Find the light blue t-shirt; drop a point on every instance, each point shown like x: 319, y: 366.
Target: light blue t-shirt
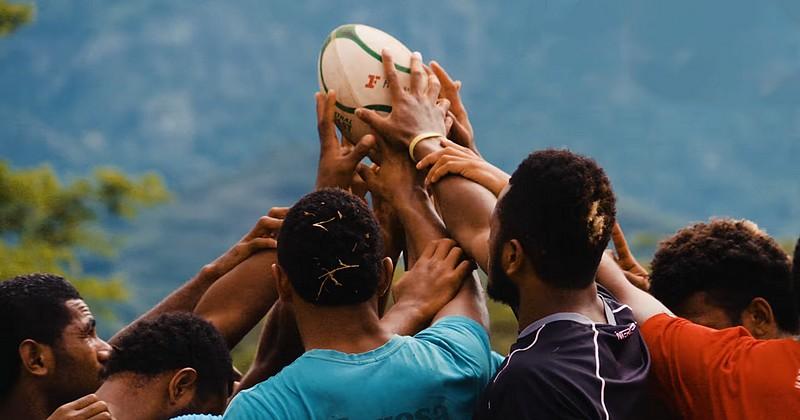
x: 437, y: 374
x: 197, y: 417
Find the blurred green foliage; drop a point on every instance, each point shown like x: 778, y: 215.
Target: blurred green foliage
x: 47, y: 225
x: 13, y: 16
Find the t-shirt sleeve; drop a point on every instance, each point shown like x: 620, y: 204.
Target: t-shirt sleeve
x: 197, y: 417
x: 685, y: 355
x: 465, y: 342
x: 262, y: 402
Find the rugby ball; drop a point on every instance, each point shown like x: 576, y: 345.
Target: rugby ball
x: 350, y: 63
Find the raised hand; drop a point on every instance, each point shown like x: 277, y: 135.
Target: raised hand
x: 434, y: 279
x: 86, y: 408
x: 461, y: 131
x: 392, y: 181
x: 262, y: 236
x: 459, y: 160
x: 634, y: 272
x: 337, y: 159
x: 414, y: 112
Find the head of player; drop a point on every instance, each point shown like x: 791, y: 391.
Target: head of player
x: 172, y: 365
x: 330, y: 256
x: 50, y: 352
x: 726, y: 273
x: 550, y: 226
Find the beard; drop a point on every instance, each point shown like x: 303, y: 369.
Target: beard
x: 500, y: 287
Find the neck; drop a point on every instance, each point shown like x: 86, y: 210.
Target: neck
x: 125, y: 398
x: 25, y: 401
x: 539, y: 300
x: 348, y: 329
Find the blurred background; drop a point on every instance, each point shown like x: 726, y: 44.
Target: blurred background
x: 140, y: 139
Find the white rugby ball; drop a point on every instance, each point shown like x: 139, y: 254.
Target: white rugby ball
x: 350, y: 63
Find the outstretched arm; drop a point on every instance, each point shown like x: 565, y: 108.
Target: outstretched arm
x: 612, y: 277
x: 185, y: 298
x: 465, y: 206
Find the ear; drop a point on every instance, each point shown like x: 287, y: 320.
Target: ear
x: 386, y: 276
x: 282, y: 283
x: 758, y: 318
x: 37, y: 359
x: 512, y: 258
x: 182, y: 387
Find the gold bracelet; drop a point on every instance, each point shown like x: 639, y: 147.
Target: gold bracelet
x: 419, y: 138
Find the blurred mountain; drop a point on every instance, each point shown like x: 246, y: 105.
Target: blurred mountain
x: 692, y: 107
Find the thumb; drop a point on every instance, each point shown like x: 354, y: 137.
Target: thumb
x: 370, y: 117
x: 367, y: 174
x: 362, y: 148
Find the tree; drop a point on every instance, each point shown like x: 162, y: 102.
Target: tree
x: 13, y: 16
x: 49, y: 226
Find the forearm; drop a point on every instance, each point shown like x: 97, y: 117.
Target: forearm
x: 420, y: 222
x: 497, y: 179
x: 465, y: 207
x: 183, y: 299
x: 643, y: 305
x: 241, y: 298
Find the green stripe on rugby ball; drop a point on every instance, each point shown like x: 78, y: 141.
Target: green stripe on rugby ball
x: 349, y: 32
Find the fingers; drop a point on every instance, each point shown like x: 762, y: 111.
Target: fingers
x: 102, y: 416
x: 454, y: 256
x: 362, y: 148
x: 391, y: 74
x: 443, y: 247
x: 463, y: 268
x: 368, y: 175
x: 278, y: 212
x: 371, y: 118
x: 450, y: 89
x: 441, y: 169
x: 82, y: 402
x: 620, y: 244
x: 418, y: 75
x: 441, y: 74
x: 326, y: 106
x: 448, y: 122
x: 431, y: 158
x: 444, y: 105
x: 258, y: 244
x: 92, y: 410
x: 460, y: 133
x: 434, y: 86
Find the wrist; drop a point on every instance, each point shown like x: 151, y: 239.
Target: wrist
x: 426, y: 147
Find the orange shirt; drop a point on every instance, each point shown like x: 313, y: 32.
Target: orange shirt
x: 723, y: 374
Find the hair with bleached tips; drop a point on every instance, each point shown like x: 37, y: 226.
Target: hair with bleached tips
x: 733, y: 262
x: 331, y: 248
x: 561, y: 208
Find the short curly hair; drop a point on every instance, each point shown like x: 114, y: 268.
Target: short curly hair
x: 331, y: 248
x: 32, y: 306
x: 561, y: 208
x: 174, y: 340
x: 733, y: 262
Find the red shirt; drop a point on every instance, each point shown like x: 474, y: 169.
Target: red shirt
x: 723, y: 374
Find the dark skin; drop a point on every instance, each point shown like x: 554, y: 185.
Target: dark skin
x: 186, y: 298
x: 53, y: 375
x: 465, y: 206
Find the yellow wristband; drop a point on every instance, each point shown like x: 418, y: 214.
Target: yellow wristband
x: 419, y: 138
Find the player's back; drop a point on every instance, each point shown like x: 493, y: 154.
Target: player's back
x: 436, y: 374
x: 564, y: 366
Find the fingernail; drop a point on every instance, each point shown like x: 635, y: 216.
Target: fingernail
x: 418, y: 55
